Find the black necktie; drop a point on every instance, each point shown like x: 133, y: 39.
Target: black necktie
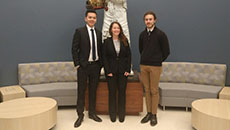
x: 149, y: 33
x: 93, y: 45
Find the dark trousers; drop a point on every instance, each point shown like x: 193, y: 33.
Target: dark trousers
x: 117, y: 82
x: 87, y: 76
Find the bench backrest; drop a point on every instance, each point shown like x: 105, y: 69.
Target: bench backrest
x: 46, y: 72
x: 198, y: 73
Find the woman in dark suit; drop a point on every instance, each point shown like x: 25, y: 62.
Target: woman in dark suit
x: 117, y: 64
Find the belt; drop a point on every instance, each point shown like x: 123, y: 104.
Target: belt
x: 93, y: 62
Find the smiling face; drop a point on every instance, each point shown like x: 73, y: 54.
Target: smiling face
x: 149, y: 21
x: 91, y: 19
x: 116, y: 29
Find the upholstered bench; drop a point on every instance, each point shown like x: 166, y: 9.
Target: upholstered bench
x: 56, y: 80
x: 183, y: 82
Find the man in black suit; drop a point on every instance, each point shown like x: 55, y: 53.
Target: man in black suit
x: 86, y: 52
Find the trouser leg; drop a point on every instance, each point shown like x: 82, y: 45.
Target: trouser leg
x: 154, y: 86
x: 82, y: 83
x: 94, y: 74
x: 145, y: 78
x: 122, y: 81
x: 112, y: 85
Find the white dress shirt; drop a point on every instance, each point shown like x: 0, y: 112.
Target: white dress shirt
x: 117, y: 46
x: 90, y: 38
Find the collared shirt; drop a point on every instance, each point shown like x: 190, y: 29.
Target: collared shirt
x: 117, y: 46
x: 151, y: 29
x: 91, y: 42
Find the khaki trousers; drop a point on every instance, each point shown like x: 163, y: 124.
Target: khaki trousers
x: 150, y: 77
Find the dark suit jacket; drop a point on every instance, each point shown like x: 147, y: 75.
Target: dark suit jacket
x: 81, y: 46
x: 114, y: 63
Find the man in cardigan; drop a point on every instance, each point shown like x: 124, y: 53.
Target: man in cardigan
x: 154, y: 49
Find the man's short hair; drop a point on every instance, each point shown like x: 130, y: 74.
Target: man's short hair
x: 150, y: 13
x: 90, y: 11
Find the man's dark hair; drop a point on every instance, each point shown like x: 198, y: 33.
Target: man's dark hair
x: 90, y: 11
x: 150, y: 13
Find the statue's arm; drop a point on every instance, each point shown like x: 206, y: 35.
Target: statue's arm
x: 125, y: 4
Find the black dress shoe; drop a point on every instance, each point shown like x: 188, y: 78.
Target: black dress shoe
x: 78, y: 121
x: 153, y: 120
x: 113, y: 118
x: 121, y: 119
x: 147, y: 117
x: 95, y: 117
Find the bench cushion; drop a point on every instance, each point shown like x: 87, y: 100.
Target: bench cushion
x: 188, y: 90
x: 51, y: 89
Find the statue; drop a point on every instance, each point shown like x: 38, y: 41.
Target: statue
x: 115, y: 10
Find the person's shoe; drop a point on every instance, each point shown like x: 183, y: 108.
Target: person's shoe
x: 147, y: 117
x: 78, y: 121
x: 113, y: 119
x: 121, y: 119
x: 95, y: 117
x: 153, y: 120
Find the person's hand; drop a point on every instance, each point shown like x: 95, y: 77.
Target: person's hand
x: 76, y: 67
x: 110, y: 75
x: 126, y: 74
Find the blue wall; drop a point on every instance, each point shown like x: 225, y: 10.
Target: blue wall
x: 42, y: 30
